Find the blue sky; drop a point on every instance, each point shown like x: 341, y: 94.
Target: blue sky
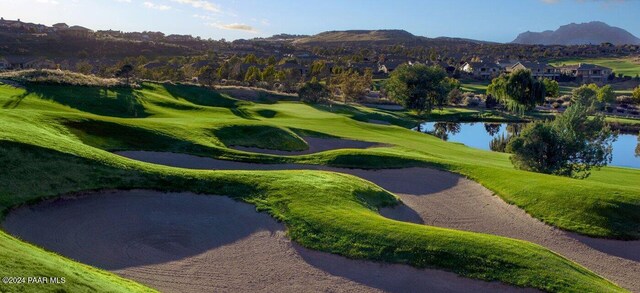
x: 491, y: 20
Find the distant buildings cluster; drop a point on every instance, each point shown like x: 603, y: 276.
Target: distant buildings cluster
x: 583, y: 71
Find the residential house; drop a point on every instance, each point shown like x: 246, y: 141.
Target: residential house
x: 481, y: 70
x: 538, y: 70
x: 505, y: 65
x: 76, y: 31
x: 388, y: 66
x: 587, y: 72
x: 60, y: 26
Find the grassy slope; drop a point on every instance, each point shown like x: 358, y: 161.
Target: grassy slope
x: 603, y: 205
x: 624, y: 65
x: 326, y: 211
x: 585, y: 206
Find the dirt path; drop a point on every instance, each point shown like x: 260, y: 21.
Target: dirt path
x: 182, y: 242
x: 444, y: 199
x: 316, y: 145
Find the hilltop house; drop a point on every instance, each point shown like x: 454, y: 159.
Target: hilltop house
x: 60, y: 26
x: 538, y: 70
x: 77, y: 31
x: 587, y: 72
x: 481, y: 69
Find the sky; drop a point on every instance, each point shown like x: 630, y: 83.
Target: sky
x: 488, y: 20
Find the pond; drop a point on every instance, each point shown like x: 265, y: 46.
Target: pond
x: 479, y: 135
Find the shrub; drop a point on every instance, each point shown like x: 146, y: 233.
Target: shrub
x: 472, y: 101
x: 625, y: 100
x: 490, y: 102
x: 455, y: 96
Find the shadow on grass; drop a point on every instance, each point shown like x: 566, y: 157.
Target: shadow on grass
x: 15, y: 101
x: 362, y: 116
x: 199, y: 95
x: 121, y: 102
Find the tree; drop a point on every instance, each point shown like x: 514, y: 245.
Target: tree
x: 271, y: 60
x: 551, y: 87
x: 84, y: 67
x: 418, y: 87
x: 636, y: 95
x: 253, y: 75
x: 223, y: 71
x: 352, y: 85
x: 606, y: 94
x: 250, y: 59
x: 269, y: 74
x: 125, y: 72
x: 586, y: 95
x: 518, y: 91
x: 208, y: 75
x: 571, y: 145
x: 314, y: 92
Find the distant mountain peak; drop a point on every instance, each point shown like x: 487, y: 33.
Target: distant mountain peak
x: 595, y: 32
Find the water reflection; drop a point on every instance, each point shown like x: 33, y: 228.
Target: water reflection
x: 495, y: 136
x: 638, y: 146
x: 443, y: 129
x: 492, y: 128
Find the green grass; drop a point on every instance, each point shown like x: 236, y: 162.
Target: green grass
x: 475, y: 87
x: 325, y: 211
x: 51, y: 147
x: 628, y: 66
x: 261, y: 136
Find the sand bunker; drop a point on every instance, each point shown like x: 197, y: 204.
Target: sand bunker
x: 182, y: 242
x: 444, y: 199
x: 316, y: 145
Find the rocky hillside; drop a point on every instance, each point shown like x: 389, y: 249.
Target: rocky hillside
x: 361, y: 36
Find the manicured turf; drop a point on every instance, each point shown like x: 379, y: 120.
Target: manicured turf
x: 628, y: 66
x: 475, y: 87
x: 55, y: 145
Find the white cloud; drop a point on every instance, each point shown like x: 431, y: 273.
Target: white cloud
x: 123, y: 1
x: 201, y: 4
x: 152, y: 5
x: 235, y: 26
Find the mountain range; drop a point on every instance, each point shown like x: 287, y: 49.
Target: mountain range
x: 594, y: 32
